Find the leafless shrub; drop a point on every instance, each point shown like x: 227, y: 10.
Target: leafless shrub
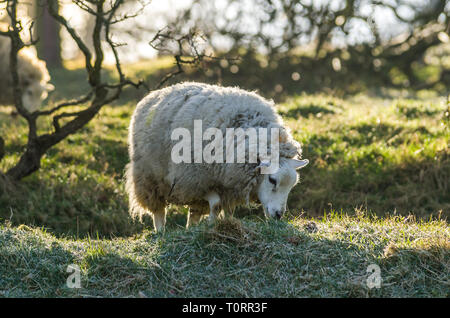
x: 66, y: 121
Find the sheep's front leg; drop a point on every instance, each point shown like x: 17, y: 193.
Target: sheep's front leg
x: 159, y: 219
x: 214, y: 205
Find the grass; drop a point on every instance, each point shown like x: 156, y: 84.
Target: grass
x: 388, y: 156
x: 249, y: 258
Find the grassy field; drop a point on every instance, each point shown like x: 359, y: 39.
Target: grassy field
x: 250, y: 258
x: 375, y: 160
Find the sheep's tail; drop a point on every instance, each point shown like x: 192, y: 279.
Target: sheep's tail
x: 135, y: 209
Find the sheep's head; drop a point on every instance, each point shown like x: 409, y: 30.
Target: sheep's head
x: 274, y: 188
x: 34, y: 93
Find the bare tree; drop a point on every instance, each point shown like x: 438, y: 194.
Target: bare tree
x: 185, y: 51
x: 318, y: 23
x: 67, y: 121
x: 101, y: 91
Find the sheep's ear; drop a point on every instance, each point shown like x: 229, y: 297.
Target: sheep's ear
x: 283, y: 136
x: 262, y: 164
x: 298, y: 164
x: 49, y: 87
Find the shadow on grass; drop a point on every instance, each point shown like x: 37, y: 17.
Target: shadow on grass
x: 76, y: 208
x: 364, y: 135
x: 29, y: 267
x: 232, y: 258
x: 373, y: 182
x: 112, y: 152
x: 114, y: 275
x: 369, y: 133
x: 305, y: 111
x: 412, y: 111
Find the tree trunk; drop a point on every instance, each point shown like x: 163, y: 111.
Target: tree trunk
x: 2, y: 148
x: 48, y: 31
x: 29, y: 162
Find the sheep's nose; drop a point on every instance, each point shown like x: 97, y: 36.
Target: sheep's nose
x: 278, y: 214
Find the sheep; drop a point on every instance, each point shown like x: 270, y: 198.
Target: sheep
x: 153, y: 180
x: 33, y: 77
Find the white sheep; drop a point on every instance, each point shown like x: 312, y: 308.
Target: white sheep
x: 154, y: 180
x: 33, y: 77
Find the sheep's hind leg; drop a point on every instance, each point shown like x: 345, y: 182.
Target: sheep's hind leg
x: 214, y: 205
x: 228, y: 213
x: 194, y: 215
x: 159, y: 219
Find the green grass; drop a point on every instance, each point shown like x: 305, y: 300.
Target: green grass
x: 250, y: 258
x: 388, y: 156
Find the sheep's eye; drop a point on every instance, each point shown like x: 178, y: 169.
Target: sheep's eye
x: 273, y: 181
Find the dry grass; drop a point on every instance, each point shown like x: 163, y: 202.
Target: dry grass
x: 236, y: 258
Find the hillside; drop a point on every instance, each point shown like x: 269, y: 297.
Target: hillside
x: 386, y: 155
x: 252, y: 258
x: 376, y: 189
